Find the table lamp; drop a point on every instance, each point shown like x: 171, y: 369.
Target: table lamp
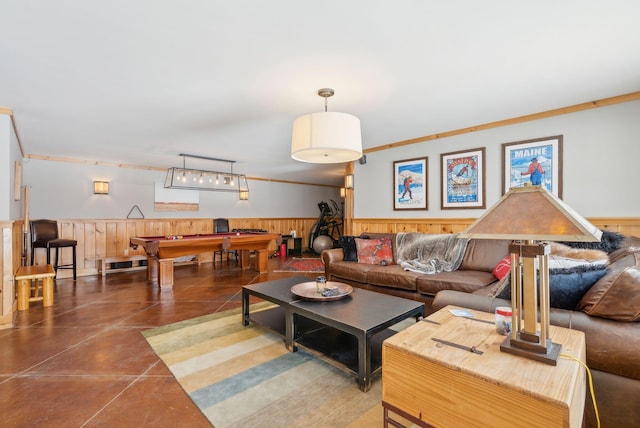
x: 526, y: 215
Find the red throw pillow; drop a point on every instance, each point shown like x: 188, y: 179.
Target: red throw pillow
x: 502, y: 268
x: 374, y: 251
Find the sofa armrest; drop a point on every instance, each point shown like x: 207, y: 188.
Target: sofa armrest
x: 332, y: 256
x: 468, y: 300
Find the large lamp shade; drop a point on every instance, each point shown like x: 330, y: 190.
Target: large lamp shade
x: 326, y: 137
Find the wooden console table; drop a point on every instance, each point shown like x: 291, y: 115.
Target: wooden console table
x: 434, y: 383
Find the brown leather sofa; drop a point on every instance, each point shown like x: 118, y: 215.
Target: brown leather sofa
x: 474, y: 275
x: 608, y: 314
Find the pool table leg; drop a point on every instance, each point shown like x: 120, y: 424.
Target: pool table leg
x: 152, y: 268
x: 262, y: 261
x: 160, y: 271
x: 245, y: 260
x: 165, y: 273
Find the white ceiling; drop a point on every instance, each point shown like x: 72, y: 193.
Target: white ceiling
x: 140, y: 81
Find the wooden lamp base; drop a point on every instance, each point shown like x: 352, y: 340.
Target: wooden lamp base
x: 548, y: 354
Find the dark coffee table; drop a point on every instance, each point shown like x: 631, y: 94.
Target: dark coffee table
x: 278, y: 292
x: 341, y: 330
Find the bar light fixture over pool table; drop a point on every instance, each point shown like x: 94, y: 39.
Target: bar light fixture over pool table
x: 200, y: 179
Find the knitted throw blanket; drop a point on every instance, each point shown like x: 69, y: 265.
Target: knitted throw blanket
x: 430, y: 253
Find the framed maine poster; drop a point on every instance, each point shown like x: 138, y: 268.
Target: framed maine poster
x: 410, y: 184
x: 462, y: 180
x: 537, y: 162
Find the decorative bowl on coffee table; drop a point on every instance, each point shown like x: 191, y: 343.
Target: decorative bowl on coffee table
x: 335, y: 291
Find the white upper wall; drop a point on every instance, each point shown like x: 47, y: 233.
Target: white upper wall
x: 16, y: 156
x: 10, y: 208
x: 601, y: 159
x: 64, y: 190
x: 5, y: 171
x: 601, y: 152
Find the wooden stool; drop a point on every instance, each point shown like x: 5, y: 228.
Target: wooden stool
x: 28, y: 278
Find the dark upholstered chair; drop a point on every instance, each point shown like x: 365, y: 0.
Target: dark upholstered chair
x: 44, y: 234
x: 221, y: 225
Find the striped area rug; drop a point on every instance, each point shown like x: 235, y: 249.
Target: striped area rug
x: 244, y: 376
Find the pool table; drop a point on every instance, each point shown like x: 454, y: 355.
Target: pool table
x: 161, y: 250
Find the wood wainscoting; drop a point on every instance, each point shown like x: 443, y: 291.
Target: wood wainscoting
x: 98, y: 239
x: 625, y: 225
x: 10, y: 260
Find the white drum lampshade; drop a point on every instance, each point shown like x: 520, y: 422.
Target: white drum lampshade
x: 326, y: 137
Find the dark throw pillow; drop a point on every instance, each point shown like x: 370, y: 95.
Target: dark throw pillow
x: 566, y: 286
x: 609, y: 242
x: 349, y: 249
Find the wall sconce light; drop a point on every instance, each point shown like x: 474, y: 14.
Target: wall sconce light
x: 348, y: 181
x: 343, y: 192
x: 101, y: 187
x: 244, y: 195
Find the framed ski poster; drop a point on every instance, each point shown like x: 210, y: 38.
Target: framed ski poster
x: 410, y: 184
x: 537, y: 162
x: 462, y: 179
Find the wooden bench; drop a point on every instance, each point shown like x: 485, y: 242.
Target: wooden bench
x: 28, y: 279
x: 103, y: 262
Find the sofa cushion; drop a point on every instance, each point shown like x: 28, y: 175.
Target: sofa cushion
x: 374, y: 251
x: 393, y: 277
x: 349, y: 249
x: 484, y: 254
x: 624, y: 252
x: 351, y: 270
x: 460, y: 280
x: 566, y: 286
x: 493, y: 289
x: 617, y: 295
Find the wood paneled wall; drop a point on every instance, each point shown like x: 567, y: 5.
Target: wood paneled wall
x: 10, y: 259
x: 426, y: 225
x: 626, y: 226
x: 110, y: 238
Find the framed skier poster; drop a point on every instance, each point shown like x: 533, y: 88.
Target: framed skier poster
x: 462, y: 179
x: 410, y: 184
x: 537, y: 162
